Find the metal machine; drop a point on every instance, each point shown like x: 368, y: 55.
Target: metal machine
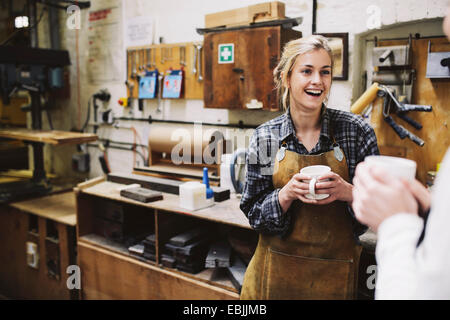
x: 37, y: 71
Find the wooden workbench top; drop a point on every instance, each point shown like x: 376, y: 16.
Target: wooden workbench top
x: 54, y: 137
x: 224, y: 212
x: 58, y: 207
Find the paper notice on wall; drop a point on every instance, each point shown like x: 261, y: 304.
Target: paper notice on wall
x: 138, y: 31
x: 105, y: 47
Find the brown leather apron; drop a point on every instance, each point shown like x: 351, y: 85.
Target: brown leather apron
x: 319, y: 258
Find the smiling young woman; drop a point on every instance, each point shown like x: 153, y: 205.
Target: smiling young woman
x: 307, y: 249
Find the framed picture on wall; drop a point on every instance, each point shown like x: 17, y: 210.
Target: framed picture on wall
x: 339, y: 45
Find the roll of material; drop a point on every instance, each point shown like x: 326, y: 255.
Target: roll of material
x: 366, y: 98
x: 391, y: 78
x: 181, y: 139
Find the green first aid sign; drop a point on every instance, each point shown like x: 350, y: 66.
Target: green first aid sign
x: 226, y: 53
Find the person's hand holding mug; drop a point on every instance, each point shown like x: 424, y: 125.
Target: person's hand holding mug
x: 382, y: 188
x: 422, y: 195
x: 302, y: 186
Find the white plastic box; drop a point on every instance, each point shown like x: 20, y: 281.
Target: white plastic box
x: 193, y: 196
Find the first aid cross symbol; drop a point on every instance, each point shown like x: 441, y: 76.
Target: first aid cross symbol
x: 226, y: 54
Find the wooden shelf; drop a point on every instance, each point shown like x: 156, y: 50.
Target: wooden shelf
x: 111, y: 275
x: 53, y: 137
x: 227, y: 212
x: 140, y: 278
x: 57, y: 207
x: 216, y: 277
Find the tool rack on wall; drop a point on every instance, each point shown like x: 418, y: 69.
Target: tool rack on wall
x: 187, y: 57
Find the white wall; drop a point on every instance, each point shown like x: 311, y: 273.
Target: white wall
x: 176, y: 21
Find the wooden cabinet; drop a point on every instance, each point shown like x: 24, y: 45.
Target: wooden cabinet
x: 37, y: 245
x: 239, y: 66
x: 110, y: 271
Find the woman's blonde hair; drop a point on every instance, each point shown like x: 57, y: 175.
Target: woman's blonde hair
x: 291, y: 51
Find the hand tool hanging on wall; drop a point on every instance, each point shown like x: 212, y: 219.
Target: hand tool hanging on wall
x: 400, y: 109
x: 148, y: 80
x: 393, y: 67
x: 148, y: 59
x: 183, y: 56
x: 133, y: 68
x: 199, y: 61
x: 160, y: 82
x: 194, y: 63
x: 142, y: 64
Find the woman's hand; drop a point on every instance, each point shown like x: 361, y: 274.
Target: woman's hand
x: 295, y: 189
x: 336, y: 187
x: 298, y: 188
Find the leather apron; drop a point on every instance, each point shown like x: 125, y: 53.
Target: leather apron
x: 319, y: 258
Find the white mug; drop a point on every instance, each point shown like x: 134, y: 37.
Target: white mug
x: 314, y: 172
x: 395, y: 166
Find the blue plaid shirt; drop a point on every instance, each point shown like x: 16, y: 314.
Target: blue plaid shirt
x: 259, y: 200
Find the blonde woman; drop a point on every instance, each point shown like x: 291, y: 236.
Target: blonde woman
x: 307, y: 248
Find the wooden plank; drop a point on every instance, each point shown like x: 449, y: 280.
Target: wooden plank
x: 435, y: 124
x: 90, y: 183
x: 57, y: 207
x: 260, y: 12
x: 134, y: 279
x: 23, y: 174
x: 53, y: 137
x: 64, y: 258
x: 180, y: 171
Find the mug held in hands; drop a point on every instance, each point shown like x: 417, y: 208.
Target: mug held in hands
x: 315, y: 172
x: 395, y: 166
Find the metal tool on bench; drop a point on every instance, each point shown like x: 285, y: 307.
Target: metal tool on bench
x: 400, y: 110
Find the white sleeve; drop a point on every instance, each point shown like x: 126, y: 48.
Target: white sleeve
x: 407, y: 272
x: 395, y: 254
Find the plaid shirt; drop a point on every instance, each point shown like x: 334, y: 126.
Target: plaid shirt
x: 259, y: 200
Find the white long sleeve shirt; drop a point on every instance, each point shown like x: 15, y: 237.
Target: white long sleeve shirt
x: 407, y: 272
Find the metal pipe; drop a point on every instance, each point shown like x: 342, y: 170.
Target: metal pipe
x: 240, y: 125
x: 53, y: 25
x: 405, y: 38
x: 314, y: 16
x: 33, y: 22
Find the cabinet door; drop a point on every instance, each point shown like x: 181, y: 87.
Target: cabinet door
x: 249, y: 75
x: 258, y: 56
x: 221, y: 89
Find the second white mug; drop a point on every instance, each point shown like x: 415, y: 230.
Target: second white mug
x: 395, y: 166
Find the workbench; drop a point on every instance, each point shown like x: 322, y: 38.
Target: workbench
x: 49, y: 222
x: 109, y: 271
